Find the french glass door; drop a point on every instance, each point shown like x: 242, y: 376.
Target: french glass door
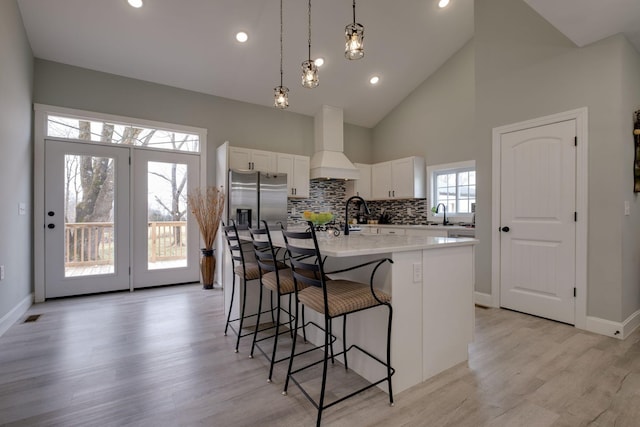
x: 86, y: 218
x: 165, y: 236
x: 102, y: 233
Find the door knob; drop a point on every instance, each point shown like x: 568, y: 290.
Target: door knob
x: 505, y: 229
x: 51, y: 213
x: 51, y: 226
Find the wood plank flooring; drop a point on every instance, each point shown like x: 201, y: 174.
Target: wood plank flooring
x: 158, y: 357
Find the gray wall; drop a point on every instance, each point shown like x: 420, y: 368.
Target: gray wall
x: 242, y: 124
x: 631, y: 224
x: 526, y: 69
x: 16, y: 75
x: 436, y: 120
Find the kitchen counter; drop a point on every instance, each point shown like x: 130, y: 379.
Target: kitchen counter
x: 431, y: 283
x: 358, y: 244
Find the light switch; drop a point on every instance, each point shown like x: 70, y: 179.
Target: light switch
x: 627, y: 208
x: 1, y: 272
x: 22, y: 208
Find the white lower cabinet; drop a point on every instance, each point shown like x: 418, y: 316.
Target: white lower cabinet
x: 426, y: 233
x: 396, y: 231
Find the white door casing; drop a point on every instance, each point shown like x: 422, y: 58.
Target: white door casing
x: 537, y: 273
x: 580, y: 116
x: 40, y: 190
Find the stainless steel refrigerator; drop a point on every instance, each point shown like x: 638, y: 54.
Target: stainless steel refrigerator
x: 256, y: 196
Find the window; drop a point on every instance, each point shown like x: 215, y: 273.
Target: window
x: 453, y: 185
x: 108, y: 131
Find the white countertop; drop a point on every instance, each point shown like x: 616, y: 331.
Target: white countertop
x: 356, y: 244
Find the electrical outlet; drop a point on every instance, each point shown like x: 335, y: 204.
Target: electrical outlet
x: 417, y: 272
x: 1, y: 272
x: 293, y: 211
x: 627, y: 208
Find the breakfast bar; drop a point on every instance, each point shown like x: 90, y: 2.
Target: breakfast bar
x: 431, y: 283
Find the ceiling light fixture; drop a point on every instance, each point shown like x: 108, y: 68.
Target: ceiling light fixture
x: 374, y: 80
x: 443, y: 3
x: 242, y: 37
x: 319, y: 62
x: 354, y: 35
x: 309, y: 68
x: 135, y: 3
x: 281, y: 99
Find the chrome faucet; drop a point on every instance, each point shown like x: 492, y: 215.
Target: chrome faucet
x: 346, y: 212
x: 444, y: 211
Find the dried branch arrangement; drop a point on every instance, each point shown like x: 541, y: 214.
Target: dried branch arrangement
x: 207, y: 207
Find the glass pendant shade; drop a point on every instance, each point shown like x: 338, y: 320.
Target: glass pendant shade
x: 309, y: 74
x: 281, y: 99
x: 354, y: 45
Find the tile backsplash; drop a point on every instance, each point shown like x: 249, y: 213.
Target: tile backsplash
x: 329, y: 196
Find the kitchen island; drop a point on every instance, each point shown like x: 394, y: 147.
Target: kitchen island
x: 431, y: 283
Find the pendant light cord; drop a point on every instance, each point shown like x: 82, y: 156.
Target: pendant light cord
x: 354, y: 11
x: 309, y: 30
x: 281, y: 43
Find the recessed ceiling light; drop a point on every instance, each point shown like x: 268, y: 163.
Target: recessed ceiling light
x: 242, y: 37
x: 374, y: 80
x: 135, y: 3
x: 443, y: 3
x: 319, y: 62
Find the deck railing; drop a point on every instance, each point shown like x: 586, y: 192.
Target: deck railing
x: 92, y: 243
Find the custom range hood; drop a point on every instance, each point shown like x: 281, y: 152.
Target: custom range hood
x: 329, y: 161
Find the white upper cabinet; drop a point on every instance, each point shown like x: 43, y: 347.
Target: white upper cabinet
x: 297, y: 170
x: 381, y: 185
x: 361, y: 186
x: 248, y: 159
x: 399, y: 179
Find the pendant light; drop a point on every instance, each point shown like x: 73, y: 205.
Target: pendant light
x: 354, y: 36
x: 281, y: 99
x: 309, y: 68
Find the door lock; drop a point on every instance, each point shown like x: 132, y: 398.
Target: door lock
x: 51, y: 226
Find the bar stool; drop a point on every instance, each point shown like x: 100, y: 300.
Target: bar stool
x: 332, y: 298
x: 247, y: 271
x: 278, y: 281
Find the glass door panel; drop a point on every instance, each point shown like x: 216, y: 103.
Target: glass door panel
x: 89, y: 237
x: 167, y: 184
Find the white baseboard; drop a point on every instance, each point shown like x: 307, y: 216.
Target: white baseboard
x: 620, y: 330
x: 10, y: 318
x: 483, y: 299
x: 630, y: 324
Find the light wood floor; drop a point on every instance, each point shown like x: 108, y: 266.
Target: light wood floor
x: 157, y: 357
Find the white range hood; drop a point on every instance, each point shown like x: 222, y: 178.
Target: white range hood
x: 329, y: 161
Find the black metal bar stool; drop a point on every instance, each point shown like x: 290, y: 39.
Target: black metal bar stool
x: 247, y: 271
x: 279, y: 281
x: 332, y: 298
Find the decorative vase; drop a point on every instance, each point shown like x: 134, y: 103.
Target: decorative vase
x: 208, y: 268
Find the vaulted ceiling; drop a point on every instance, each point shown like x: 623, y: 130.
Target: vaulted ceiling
x: 190, y: 44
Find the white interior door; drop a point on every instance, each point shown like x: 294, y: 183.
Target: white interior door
x: 87, y: 218
x: 538, y: 230
x: 165, y: 237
